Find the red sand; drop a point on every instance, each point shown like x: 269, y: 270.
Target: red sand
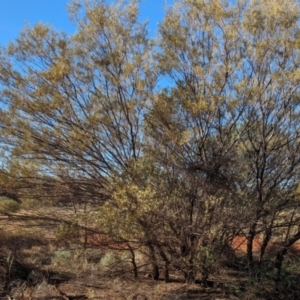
x: 239, y: 244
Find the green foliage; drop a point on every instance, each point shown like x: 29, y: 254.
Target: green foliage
x: 8, y: 206
x: 62, y: 254
x: 108, y: 260
x: 67, y: 231
x: 29, y: 204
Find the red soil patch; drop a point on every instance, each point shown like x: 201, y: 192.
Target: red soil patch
x: 104, y: 242
x: 239, y: 245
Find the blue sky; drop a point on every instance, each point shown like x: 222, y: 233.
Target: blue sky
x: 14, y: 14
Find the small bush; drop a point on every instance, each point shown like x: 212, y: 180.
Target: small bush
x: 30, y: 203
x: 67, y: 231
x: 62, y: 254
x: 108, y: 260
x: 8, y: 205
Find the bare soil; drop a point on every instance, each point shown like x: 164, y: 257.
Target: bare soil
x: 239, y: 245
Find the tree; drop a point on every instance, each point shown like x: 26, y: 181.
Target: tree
x: 231, y: 115
x: 77, y: 103
x: 179, y: 169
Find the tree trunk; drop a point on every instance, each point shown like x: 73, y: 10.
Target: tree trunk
x: 167, y: 262
x: 266, y: 240
x: 154, y: 264
x: 250, y: 239
x: 133, y: 261
x: 280, y: 258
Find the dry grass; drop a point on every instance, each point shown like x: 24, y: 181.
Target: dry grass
x: 102, y: 273
x: 96, y: 273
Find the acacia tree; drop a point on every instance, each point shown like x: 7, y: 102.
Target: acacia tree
x: 198, y: 122
x: 231, y: 115
x: 76, y: 106
x: 272, y: 143
x: 179, y: 169
x: 77, y: 103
